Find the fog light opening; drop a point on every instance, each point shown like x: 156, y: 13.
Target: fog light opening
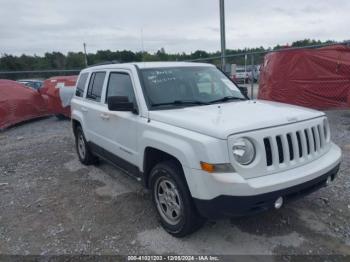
x: 329, y: 180
x: 279, y: 203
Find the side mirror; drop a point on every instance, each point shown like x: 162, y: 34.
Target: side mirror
x: 120, y: 103
x: 244, y: 91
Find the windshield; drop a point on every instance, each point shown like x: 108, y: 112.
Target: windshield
x: 188, y: 86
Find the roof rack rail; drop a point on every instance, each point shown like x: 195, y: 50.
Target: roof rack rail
x: 106, y: 63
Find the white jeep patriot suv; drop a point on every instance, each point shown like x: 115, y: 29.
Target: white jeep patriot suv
x: 203, y: 149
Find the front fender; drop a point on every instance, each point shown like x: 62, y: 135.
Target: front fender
x: 187, y: 147
x: 175, y: 146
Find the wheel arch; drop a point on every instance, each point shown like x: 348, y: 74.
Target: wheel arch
x: 77, y: 118
x: 75, y: 124
x: 167, y: 146
x: 152, y: 157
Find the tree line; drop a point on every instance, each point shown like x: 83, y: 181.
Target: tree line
x: 76, y: 60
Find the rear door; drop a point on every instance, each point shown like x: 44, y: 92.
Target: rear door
x: 93, y: 108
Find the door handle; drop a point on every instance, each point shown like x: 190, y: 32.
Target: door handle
x: 84, y: 109
x: 104, y: 116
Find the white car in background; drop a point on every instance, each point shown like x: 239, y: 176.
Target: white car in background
x: 242, y: 75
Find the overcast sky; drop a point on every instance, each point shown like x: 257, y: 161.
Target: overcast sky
x: 39, y: 26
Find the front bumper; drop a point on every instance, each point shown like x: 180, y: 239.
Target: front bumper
x: 207, y: 186
x: 230, y: 206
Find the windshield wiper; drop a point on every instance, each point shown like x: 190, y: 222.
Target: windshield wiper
x: 181, y: 102
x: 226, y: 98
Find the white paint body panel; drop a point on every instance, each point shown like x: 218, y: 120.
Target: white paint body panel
x: 205, y: 133
x: 222, y: 120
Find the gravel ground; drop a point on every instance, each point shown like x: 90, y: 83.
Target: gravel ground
x: 51, y: 204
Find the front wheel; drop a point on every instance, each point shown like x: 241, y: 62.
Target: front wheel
x: 173, y: 201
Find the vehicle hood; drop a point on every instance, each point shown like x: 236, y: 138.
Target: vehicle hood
x: 222, y: 120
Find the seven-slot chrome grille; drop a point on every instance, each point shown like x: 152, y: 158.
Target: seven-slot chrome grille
x: 284, y: 147
x: 288, y: 148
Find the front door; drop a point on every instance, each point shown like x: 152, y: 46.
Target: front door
x: 120, y: 128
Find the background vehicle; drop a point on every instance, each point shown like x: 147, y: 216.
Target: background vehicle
x: 314, y: 78
x: 187, y: 132
x: 242, y: 75
x: 32, y: 83
x: 60, y: 90
x: 19, y: 103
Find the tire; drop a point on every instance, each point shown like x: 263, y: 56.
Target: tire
x: 60, y: 117
x: 83, y: 151
x: 173, y: 201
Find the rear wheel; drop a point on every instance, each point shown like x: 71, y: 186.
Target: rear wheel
x: 173, y: 200
x: 84, y: 153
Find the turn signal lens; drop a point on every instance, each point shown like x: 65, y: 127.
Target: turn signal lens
x: 207, y: 167
x: 217, y: 168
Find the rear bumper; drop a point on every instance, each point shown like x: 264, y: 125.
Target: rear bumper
x: 230, y: 206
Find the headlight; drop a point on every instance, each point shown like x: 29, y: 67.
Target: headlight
x: 243, y: 151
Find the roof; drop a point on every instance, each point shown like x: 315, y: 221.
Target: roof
x: 168, y: 64
x: 144, y: 65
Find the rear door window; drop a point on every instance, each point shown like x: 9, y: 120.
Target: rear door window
x: 81, y: 84
x: 95, y: 86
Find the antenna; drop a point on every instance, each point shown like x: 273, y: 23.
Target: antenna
x: 86, y: 59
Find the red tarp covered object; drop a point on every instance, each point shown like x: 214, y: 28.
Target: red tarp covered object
x: 315, y: 78
x: 60, y: 91
x: 19, y: 103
